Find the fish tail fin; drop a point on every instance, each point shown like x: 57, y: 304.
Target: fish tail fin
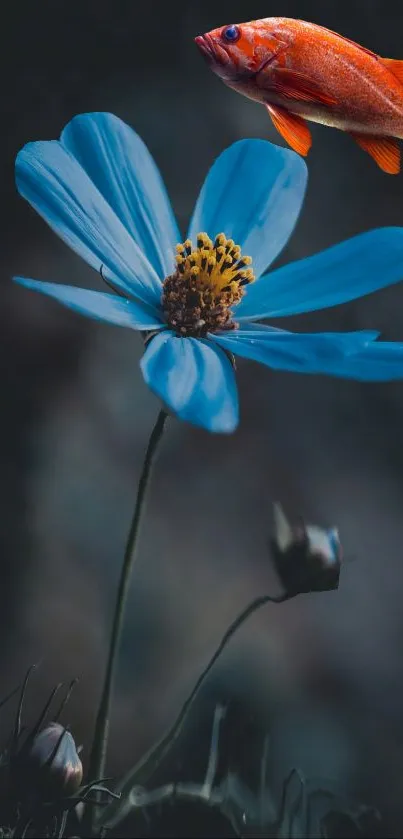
x: 384, y: 150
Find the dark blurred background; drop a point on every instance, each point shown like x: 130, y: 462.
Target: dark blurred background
x: 323, y: 673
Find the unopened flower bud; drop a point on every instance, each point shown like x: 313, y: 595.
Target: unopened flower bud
x: 53, y: 764
x: 307, y: 558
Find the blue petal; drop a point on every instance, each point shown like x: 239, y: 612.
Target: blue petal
x: 121, y: 167
x: 360, y: 265
x: 381, y: 361
x: 308, y: 353
x: 97, y: 305
x: 50, y: 178
x: 195, y: 379
x: 253, y: 194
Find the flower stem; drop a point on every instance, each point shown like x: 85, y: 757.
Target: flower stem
x: 148, y: 764
x: 101, y: 732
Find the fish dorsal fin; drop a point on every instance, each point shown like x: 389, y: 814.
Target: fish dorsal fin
x: 349, y: 41
x: 384, y: 150
x: 395, y: 66
x: 292, y: 128
x: 298, y: 86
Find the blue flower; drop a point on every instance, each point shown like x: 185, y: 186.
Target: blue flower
x: 99, y: 189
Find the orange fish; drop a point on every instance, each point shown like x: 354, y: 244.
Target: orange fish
x: 301, y: 71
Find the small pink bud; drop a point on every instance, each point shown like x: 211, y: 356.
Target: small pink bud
x: 53, y: 762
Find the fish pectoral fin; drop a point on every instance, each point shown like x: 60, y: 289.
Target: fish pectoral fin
x: 384, y: 150
x: 395, y: 67
x: 298, y: 86
x: 292, y: 128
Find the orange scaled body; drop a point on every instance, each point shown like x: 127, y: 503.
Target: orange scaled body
x: 301, y: 71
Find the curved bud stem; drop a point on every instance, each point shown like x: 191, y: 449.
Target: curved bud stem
x: 148, y: 764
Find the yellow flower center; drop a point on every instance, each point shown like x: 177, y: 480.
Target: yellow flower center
x: 209, y: 280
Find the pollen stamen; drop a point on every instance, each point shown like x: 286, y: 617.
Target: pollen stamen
x: 246, y: 260
x: 220, y: 240
x: 208, y: 281
x: 211, y: 265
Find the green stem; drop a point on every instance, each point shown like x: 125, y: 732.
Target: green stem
x: 101, y: 732
x: 148, y: 764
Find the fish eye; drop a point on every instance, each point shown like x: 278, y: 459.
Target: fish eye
x: 231, y: 33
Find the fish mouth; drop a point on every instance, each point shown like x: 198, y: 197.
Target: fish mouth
x: 206, y: 46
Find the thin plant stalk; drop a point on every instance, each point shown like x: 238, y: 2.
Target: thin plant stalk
x: 148, y: 764
x: 100, y: 740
